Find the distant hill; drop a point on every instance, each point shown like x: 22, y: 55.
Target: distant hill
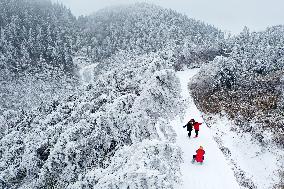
x: 143, y: 28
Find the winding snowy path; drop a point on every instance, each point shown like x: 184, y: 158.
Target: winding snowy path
x: 215, y: 173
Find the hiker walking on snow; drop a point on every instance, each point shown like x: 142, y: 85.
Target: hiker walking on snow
x: 189, y: 126
x: 199, y: 157
x: 196, y: 128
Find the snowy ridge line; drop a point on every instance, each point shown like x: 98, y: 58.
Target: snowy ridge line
x: 215, y: 173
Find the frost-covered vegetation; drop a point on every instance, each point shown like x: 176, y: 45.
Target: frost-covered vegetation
x: 248, y: 84
x: 36, y: 44
x: 55, y: 133
x: 143, y: 28
x: 35, y: 33
x: 68, y: 143
x: 38, y: 41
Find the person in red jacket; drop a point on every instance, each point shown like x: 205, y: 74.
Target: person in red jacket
x: 199, y: 157
x: 196, y: 128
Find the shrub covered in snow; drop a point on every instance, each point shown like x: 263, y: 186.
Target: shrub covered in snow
x: 62, y: 143
x: 247, y: 85
x: 147, y: 164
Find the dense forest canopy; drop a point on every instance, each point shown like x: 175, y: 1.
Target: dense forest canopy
x: 33, y: 32
x: 36, y: 50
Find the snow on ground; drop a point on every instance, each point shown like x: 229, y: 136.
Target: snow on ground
x: 215, y: 173
x: 87, y: 73
x: 260, y: 164
x: 86, y: 69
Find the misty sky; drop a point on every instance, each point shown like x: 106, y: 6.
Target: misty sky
x: 228, y: 15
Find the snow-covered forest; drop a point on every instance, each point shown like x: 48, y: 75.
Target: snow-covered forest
x: 89, y: 102
x: 248, y: 83
x: 36, y: 50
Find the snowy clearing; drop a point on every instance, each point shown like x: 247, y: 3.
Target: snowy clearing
x: 215, y: 171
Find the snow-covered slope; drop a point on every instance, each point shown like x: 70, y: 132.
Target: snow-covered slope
x: 215, y: 173
x: 256, y: 165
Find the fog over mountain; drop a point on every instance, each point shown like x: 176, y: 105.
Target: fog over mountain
x: 230, y: 15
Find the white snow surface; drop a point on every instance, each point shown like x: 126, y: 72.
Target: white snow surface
x: 215, y: 172
x: 86, y: 69
x: 260, y: 164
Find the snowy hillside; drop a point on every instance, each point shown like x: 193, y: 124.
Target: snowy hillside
x: 100, y: 101
x: 246, y: 87
x: 36, y: 44
x: 143, y: 28
x: 61, y: 144
x: 255, y: 165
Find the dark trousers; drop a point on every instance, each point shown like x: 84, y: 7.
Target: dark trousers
x: 189, y: 133
x: 196, y: 132
x: 194, y: 156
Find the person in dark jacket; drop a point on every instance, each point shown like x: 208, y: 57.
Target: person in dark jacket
x: 196, y: 128
x: 189, y: 126
x: 199, y: 157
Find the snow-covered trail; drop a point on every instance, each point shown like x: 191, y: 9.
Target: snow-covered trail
x: 215, y: 173
x: 85, y: 69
